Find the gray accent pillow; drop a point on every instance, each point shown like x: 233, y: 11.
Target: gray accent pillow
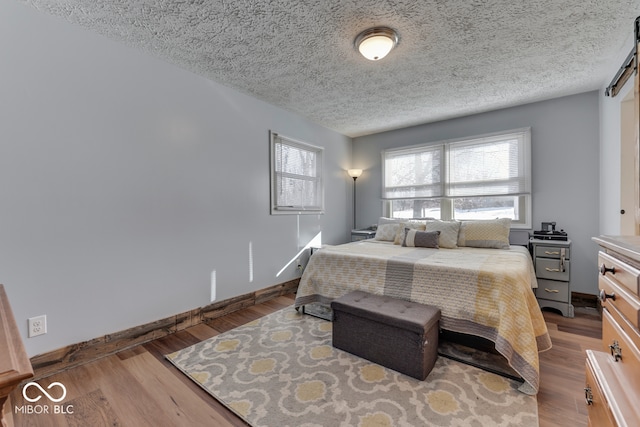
x: 413, y: 225
x: 421, y: 239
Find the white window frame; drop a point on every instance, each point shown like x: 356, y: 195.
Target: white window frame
x: 447, y: 211
x: 316, y: 178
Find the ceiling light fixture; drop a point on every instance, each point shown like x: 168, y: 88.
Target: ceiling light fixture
x: 375, y: 43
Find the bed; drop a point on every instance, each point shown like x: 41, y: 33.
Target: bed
x: 481, y: 292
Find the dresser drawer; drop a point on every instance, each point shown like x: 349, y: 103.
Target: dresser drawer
x: 597, y: 406
x: 619, y: 272
x: 547, y: 268
x: 553, y: 290
x: 551, y: 252
x: 609, y: 400
x: 613, y: 294
x: 632, y: 332
x: 623, y: 353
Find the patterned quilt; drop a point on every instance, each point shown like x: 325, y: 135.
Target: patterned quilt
x: 482, y: 292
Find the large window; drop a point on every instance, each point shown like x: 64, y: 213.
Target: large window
x: 296, y: 177
x: 482, y: 177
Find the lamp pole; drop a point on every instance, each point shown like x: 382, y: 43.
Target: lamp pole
x: 354, y: 202
x: 354, y: 173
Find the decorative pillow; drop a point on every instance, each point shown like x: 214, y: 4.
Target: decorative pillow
x: 485, y: 234
x: 385, y: 220
x: 421, y: 239
x: 411, y: 225
x: 448, y: 232
x: 387, y: 232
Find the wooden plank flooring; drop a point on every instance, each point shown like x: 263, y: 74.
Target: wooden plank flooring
x: 138, y: 387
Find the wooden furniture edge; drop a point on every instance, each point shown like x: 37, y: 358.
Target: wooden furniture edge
x: 626, y: 246
x: 14, y: 363
x: 73, y: 355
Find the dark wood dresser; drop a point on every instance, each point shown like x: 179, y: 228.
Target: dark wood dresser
x: 612, y: 389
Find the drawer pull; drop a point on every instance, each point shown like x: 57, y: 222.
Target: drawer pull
x: 588, y: 395
x: 616, y: 351
x: 554, y: 291
x: 563, y: 256
x: 551, y: 253
x: 603, y: 295
x: 604, y: 269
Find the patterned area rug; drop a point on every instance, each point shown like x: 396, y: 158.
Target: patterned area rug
x: 281, y: 370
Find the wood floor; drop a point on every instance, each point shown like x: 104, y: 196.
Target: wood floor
x: 138, y: 387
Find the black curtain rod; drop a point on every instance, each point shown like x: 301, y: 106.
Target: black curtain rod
x: 629, y: 65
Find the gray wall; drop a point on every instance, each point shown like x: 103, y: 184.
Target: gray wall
x: 125, y: 181
x: 564, y: 150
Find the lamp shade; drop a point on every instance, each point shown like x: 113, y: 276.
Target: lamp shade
x: 354, y: 173
x: 375, y: 43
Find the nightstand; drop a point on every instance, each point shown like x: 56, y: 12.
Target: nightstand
x: 552, y: 262
x: 362, y: 234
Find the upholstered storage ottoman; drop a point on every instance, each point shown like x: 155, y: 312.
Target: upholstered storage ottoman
x: 400, y: 335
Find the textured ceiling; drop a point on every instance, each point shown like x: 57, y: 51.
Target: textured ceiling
x: 454, y: 58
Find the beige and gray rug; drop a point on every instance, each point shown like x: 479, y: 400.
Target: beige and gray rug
x: 281, y: 370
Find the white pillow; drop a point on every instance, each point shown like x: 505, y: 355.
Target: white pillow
x: 389, y: 229
x: 448, y: 232
x: 411, y: 225
x: 385, y: 220
x: 485, y: 234
x: 386, y: 232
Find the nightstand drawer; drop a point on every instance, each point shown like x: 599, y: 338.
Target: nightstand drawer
x: 363, y: 234
x: 357, y: 237
x: 547, y: 268
x: 553, y: 290
x: 552, y: 252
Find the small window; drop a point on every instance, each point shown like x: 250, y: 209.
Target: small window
x: 296, y: 177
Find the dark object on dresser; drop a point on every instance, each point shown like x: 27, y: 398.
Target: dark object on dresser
x: 401, y: 335
x: 548, y: 232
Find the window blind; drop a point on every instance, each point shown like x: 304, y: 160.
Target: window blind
x: 494, y: 165
x: 296, y: 176
x: 413, y: 173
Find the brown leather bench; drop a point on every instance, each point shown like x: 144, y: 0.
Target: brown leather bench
x: 400, y: 335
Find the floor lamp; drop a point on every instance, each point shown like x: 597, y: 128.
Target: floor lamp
x: 354, y: 173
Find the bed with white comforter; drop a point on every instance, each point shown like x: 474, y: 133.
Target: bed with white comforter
x: 482, y: 292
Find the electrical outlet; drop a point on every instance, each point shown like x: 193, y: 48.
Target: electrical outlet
x: 37, y: 325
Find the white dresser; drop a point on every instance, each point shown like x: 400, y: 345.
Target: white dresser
x: 612, y: 388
